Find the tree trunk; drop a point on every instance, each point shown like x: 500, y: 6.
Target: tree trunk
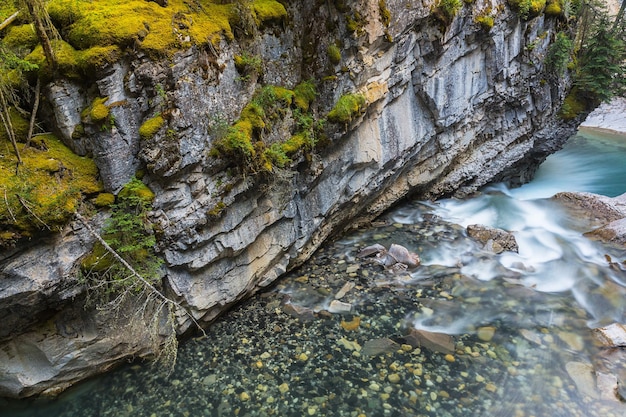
x: 36, y: 8
x: 5, y: 117
x: 619, y: 16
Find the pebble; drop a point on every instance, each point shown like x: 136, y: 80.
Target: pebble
x: 449, y: 358
x: 339, y: 307
x: 394, y: 378
x: 283, y: 388
x: 244, y: 396
x: 486, y: 333
x: 303, y: 357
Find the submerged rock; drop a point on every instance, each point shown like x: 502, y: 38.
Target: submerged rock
x: 396, y: 259
x: 493, y: 239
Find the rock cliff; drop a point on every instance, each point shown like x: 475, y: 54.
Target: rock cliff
x: 450, y: 105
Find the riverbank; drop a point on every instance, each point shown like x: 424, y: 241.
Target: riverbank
x: 608, y: 118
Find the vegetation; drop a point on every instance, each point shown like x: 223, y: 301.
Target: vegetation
x: 445, y: 10
x: 485, y: 19
x: 601, y: 66
x: 150, y: 127
x: 130, y: 234
x: 334, y: 54
x: 347, y: 107
x: 243, y: 143
x: 559, y: 54
x: 248, y: 65
x: 528, y: 8
x: 123, y: 271
x: 554, y: 8
x: 48, y: 188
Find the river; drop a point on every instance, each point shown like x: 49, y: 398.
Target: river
x: 468, y: 333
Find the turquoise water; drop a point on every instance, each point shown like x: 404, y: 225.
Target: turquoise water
x: 519, y: 323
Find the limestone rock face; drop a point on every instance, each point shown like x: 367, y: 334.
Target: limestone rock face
x: 448, y: 109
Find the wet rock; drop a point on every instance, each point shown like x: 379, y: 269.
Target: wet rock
x: 486, y: 333
x: 437, y: 342
x: 597, y: 210
x: 611, y: 336
x: 583, y: 376
x: 493, y: 239
x: 337, y: 306
x: 344, y: 290
x: 379, y: 346
x: 396, y: 259
x: 299, y: 312
x: 614, y: 232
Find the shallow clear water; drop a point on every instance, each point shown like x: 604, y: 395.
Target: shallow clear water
x: 519, y: 322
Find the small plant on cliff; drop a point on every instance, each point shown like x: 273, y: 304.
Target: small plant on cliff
x: 559, y: 54
x: 123, y: 273
x: 347, y: 108
x: 445, y: 10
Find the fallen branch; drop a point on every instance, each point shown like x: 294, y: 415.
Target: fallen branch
x: 126, y: 265
x: 9, y: 20
x: 33, y: 114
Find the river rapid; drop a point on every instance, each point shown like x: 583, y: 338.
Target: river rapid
x: 468, y: 333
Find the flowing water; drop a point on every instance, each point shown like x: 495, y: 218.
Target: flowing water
x: 468, y: 333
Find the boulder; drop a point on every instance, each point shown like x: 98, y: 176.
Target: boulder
x: 493, y: 239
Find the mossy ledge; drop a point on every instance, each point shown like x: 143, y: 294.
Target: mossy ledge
x: 47, y: 188
x: 242, y: 143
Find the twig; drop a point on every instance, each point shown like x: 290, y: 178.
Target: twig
x: 6, y: 201
x: 135, y: 273
x: 23, y: 203
x: 9, y: 20
x: 33, y: 114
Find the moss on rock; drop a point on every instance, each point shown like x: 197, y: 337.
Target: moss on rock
x: 268, y: 11
x: 99, y: 112
x: 347, y: 107
x: 46, y: 190
x: 150, y: 127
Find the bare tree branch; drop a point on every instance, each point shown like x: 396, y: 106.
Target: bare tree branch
x: 33, y: 114
x: 126, y: 265
x: 9, y: 20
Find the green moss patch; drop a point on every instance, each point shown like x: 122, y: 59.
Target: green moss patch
x: 334, y: 54
x: 46, y: 190
x: 157, y: 30
x: 528, y: 8
x: 268, y: 11
x: 150, y: 127
x: 347, y: 107
x: 99, y: 112
x: 21, y: 36
x: 242, y: 143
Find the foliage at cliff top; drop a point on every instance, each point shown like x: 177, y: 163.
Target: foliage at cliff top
x: 144, y: 25
x: 46, y: 189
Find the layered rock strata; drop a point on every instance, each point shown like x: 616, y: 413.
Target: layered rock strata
x: 449, y: 108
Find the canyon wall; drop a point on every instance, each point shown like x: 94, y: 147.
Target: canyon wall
x: 450, y: 105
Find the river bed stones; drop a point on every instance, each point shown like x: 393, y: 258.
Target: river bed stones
x: 365, y: 361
